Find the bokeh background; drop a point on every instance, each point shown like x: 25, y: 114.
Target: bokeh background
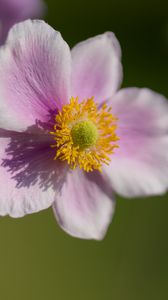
x: 38, y: 261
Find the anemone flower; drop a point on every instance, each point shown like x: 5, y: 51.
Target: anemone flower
x: 14, y: 11
x: 68, y: 138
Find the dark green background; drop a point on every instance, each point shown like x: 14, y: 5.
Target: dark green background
x: 38, y: 261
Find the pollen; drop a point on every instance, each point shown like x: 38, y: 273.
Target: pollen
x: 84, y: 135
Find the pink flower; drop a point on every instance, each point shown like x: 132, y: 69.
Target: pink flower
x: 14, y: 11
x: 57, y: 149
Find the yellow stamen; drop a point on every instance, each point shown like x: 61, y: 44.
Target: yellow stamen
x: 85, y: 135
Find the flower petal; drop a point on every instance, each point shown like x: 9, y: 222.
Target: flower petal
x: 85, y: 205
x: 14, y: 11
x: 29, y: 177
x: 21, y: 8
x: 140, y: 164
x: 34, y: 74
x: 97, y: 69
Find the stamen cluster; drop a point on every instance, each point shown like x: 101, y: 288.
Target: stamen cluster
x: 85, y: 135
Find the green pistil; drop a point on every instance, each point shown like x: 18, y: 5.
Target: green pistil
x: 84, y: 134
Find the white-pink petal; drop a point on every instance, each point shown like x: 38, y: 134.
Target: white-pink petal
x: 96, y: 67
x: 29, y: 177
x: 85, y: 205
x: 34, y: 75
x: 140, y: 164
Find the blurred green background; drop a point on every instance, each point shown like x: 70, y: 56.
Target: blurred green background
x: 38, y: 261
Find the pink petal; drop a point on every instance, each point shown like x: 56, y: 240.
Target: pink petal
x: 29, y: 177
x: 85, y: 205
x: 140, y: 165
x: 22, y: 8
x: 14, y: 11
x: 96, y: 68
x: 34, y: 74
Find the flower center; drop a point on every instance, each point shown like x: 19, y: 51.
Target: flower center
x: 85, y: 135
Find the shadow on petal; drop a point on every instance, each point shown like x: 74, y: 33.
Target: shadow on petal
x: 29, y: 159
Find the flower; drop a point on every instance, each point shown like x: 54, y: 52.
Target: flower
x: 85, y: 135
x: 68, y: 137
x: 14, y: 11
